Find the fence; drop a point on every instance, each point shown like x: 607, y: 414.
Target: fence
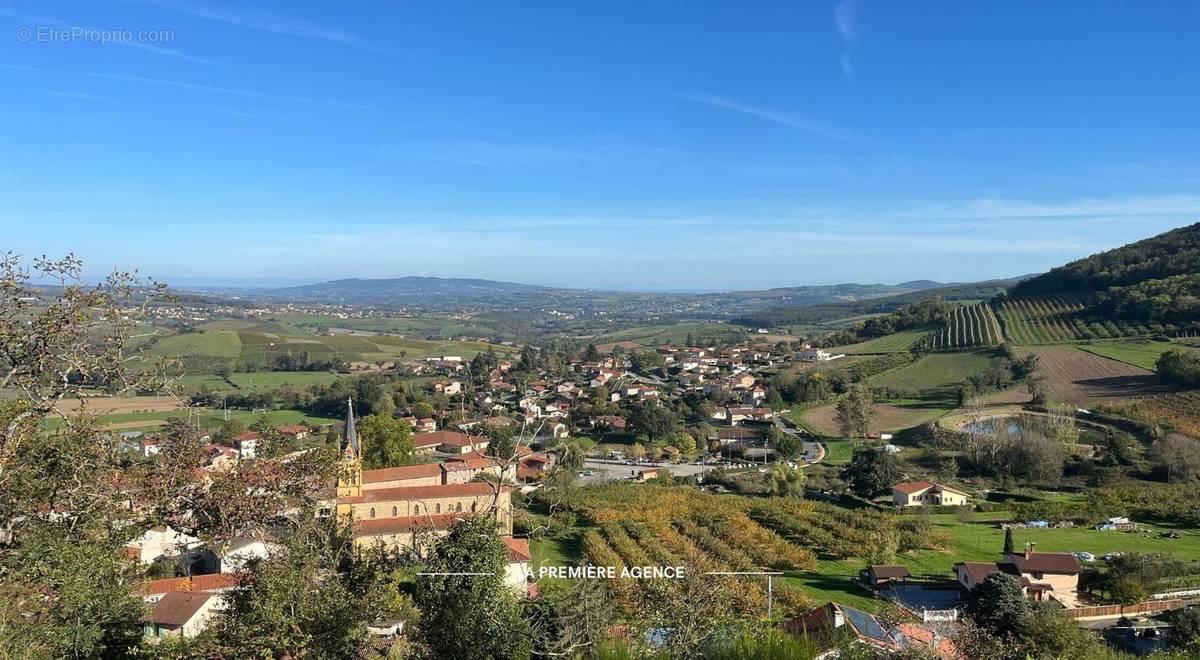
x: 1122, y: 610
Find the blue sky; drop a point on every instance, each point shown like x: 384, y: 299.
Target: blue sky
x: 674, y: 145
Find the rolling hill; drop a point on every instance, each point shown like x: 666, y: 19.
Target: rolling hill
x: 1152, y: 282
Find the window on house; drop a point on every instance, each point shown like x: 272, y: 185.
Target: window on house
x: 416, y: 509
x: 438, y: 507
x: 395, y: 512
x: 458, y: 507
x: 474, y: 507
x: 372, y: 513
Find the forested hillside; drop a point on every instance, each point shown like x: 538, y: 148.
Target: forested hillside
x: 1176, y: 252
x: 1154, y: 280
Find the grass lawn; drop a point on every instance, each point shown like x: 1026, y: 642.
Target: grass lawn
x: 1138, y: 353
x: 839, y: 451
x: 982, y: 540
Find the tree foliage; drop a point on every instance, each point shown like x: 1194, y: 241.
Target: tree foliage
x: 871, y: 471
x: 470, y: 617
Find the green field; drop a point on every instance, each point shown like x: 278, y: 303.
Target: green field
x: 240, y: 345
x: 935, y: 371
x: 201, y: 352
x: 208, y: 418
x: 1057, y: 319
x: 968, y: 326
x: 654, y: 335
x: 982, y: 540
x: 1140, y: 354
x: 893, y: 343
x: 433, y: 328
x: 258, y: 381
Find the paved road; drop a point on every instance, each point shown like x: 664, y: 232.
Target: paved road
x: 610, y: 470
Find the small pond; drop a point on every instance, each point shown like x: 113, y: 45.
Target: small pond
x: 1012, y: 424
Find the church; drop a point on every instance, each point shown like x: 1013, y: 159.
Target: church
x: 386, y: 506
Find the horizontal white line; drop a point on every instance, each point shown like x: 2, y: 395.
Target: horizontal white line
x: 744, y: 573
x: 457, y: 573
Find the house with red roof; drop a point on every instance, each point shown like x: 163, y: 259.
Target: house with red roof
x: 1043, y: 575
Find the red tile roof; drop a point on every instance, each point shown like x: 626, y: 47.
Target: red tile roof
x: 195, y: 583
x: 518, y: 549
x: 910, y: 487
x: 403, y: 493
x: 1059, y: 563
x: 400, y: 473
x: 402, y: 524
x: 979, y: 570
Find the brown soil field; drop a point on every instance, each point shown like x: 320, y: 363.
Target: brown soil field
x: 885, y: 418
x: 1080, y: 378
x: 104, y: 405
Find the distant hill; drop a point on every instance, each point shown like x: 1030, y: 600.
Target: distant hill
x: 1155, y: 280
x: 819, y: 313
x: 400, y: 289
x: 440, y: 294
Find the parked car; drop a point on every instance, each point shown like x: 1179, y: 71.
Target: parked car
x: 1084, y: 556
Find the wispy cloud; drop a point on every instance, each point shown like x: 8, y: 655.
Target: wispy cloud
x: 789, y: 119
x: 256, y: 19
x: 163, y: 82
x: 843, y: 20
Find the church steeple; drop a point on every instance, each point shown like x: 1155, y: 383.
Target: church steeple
x: 349, y: 434
x: 349, y: 480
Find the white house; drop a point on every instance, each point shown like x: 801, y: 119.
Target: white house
x: 810, y: 354
x: 237, y: 553
x: 158, y: 543
x: 516, y: 571
x: 183, y: 613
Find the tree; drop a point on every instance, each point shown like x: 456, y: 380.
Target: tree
x: 785, y: 444
x: 591, y: 354
x: 998, y: 605
x: 1050, y: 634
x: 1008, y: 542
x: 1179, y: 366
x: 871, y: 471
x: 784, y: 481
x: 1186, y: 634
x: 637, y: 451
x: 1039, y: 393
x: 853, y: 413
x: 653, y: 421
x: 386, y: 441
x: 684, y: 442
x: 1128, y: 589
x: 947, y: 469
x: 315, y: 596
x: 774, y: 400
x: 502, y: 441
x: 571, y: 457
x: 1176, y: 457
x: 472, y: 616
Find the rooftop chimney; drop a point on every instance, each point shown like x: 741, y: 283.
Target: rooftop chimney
x: 1029, y: 550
